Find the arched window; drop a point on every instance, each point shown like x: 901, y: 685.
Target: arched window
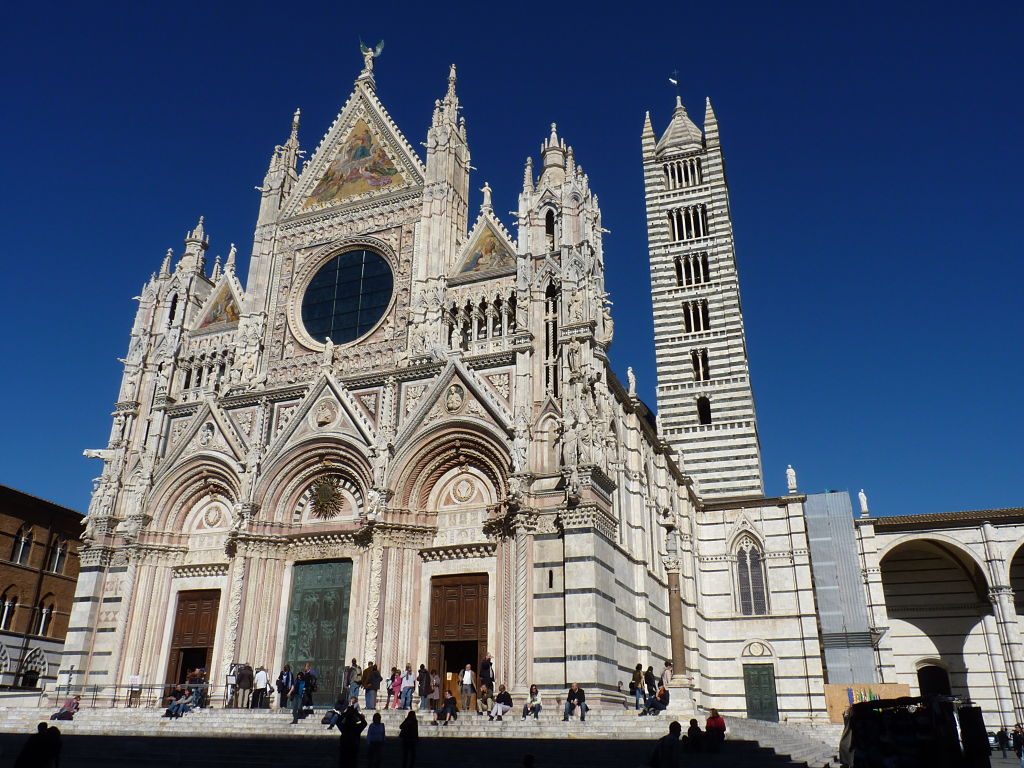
x: 699, y: 358
x: 8, y: 602
x: 753, y: 599
x: 703, y: 410
x: 58, y: 555
x: 679, y: 270
x: 551, y: 348
x: 22, y: 545
x: 549, y: 229
x: 173, y: 310
x: 45, y: 616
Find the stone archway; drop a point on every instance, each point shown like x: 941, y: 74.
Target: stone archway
x: 941, y: 618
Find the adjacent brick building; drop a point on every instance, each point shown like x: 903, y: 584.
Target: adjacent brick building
x: 38, y: 573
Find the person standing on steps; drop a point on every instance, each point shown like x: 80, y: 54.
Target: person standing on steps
x: 353, y: 674
x: 407, y: 687
x: 351, y: 725
x: 636, y: 686
x: 666, y: 751
x: 434, y: 697
x: 423, y: 687
x: 374, y: 742
x: 486, y: 675
x: 284, y: 685
x: 297, y: 693
x: 311, y: 684
x: 259, y: 689
x: 467, y: 686
x: 371, y: 681
x: 714, y: 731
x: 650, y: 681
x: 576, y: 699
x: 532, y: 705
x: 408, y: 736
x: 666, y: 675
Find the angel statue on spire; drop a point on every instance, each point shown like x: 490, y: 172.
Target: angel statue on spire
x: 369, y: 54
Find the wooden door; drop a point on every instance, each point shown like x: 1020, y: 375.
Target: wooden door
x: 195, y: 627
x: 759, y: 686
x: 458, y: 613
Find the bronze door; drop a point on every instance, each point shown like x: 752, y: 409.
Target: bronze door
x: 195, y: 627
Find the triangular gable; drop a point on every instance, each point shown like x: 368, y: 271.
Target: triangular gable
x: 444, y: 399
x: 211, y: 431
x: 221, y: 310
x: 327, y: 407
x: 363, y: 155
x: 488, y: 249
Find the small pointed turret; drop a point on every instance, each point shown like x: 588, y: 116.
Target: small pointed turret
x: 196, y: 243
x: 570, y: 162
x: 229, y: 265
x: 215, y: 275
x: 165, y: 267
x: 710, y: 123
x: 528, y: 175
x: 681, y: 132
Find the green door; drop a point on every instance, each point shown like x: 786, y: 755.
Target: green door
x: 759, y: 685
x: 318, y: 623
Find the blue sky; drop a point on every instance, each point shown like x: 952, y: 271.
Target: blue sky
x: 873, y: 153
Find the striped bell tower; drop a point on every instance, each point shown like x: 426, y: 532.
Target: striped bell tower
x: 705, y: 401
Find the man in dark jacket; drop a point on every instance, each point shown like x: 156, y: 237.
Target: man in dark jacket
x: 285, y: 680
x: 486, y: 676
x: 423, y: 687
x: 351, y: 724
x: 576, y: 699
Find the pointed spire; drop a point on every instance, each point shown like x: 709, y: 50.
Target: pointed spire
x: 553, y: 151
x: 229, y: 265
x: 295, y: 123
x: 710, y: 123
x: 681, y: 132
x: 528, y: 175
x: 198, y: 235
x: 570, y: 163
x: 451, y: 82
x: 215, y: 275
x: 165, y: 267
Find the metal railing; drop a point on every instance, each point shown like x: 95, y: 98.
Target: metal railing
x: 148, y: 695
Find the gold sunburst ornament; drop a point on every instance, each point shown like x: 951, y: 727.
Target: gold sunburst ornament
x: 325, y: 498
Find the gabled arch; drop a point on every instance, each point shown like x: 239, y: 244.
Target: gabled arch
x: 285, y: 480
x: 177, y: 492
x: 457, y: 442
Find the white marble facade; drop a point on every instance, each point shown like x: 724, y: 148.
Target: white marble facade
x: 476, y: 426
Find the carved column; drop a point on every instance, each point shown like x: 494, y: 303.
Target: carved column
x: 373, y: 602
x: 1009, y: 638
x: 234, y: 614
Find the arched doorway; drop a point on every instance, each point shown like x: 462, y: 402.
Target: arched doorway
x: 933, y: 680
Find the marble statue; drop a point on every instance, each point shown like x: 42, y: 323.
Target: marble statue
x: 631, y: 378
x: 863, y: 499
x: 790, y: 478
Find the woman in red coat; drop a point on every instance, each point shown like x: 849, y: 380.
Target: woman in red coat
x: 715, y: 731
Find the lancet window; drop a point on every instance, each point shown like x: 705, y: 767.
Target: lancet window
x: 22, y: 545
x: 692, y: 269
x: 683, y: 173
x: 695, y: 316
x: 701, y: 371
x: 688, y: 223
x: 752, y: 595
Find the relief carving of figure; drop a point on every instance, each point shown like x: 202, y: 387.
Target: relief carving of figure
x: 570, y: 442
x: 520, y: 441
x: 572, y: 356
x: 454, y: 398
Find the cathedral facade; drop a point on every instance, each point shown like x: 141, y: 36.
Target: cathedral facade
x: 402, y: 440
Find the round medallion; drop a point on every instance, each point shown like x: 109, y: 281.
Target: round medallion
x: 756, y: 649
x: 463, y: 490
x: 325, y: 413
x: 455, y: 397
x: 212, y: 516
x: 347, y: 296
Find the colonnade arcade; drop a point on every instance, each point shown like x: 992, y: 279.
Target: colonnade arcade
x: 952, y: 622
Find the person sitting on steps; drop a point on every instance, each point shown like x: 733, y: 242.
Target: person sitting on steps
x: 502, y: 704
x: 657, y: 703
x: 576, y: 699
x: 484, y: 700
x: 532, y: 706
x: 449, y: 709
